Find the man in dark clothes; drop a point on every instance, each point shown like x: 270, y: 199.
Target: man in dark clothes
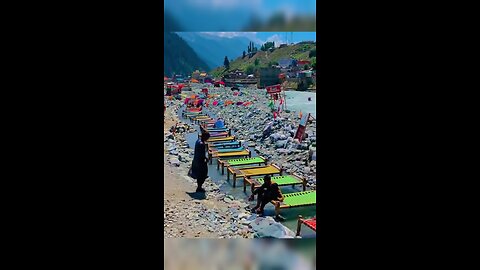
x: 268, y: 192
x: 200, y: 161
x: 267, y: 131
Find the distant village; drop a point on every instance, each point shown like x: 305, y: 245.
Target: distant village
x: 289, y: 70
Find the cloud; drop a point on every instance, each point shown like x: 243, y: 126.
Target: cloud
x: 277, y: 39
x: 254, y: 36
x: 250, y: 35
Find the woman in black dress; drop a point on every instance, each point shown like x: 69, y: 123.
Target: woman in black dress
x: 200, y: 161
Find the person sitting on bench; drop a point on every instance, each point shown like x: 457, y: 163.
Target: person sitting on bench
x: 219, y: 123
x: 268, y: 192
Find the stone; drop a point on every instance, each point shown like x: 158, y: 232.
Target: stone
x: 267, y: 227
x: 175, y: 162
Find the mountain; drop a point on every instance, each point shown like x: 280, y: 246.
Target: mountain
x: 299, y: 51
x: 213, y: 49
x: 179, y: 58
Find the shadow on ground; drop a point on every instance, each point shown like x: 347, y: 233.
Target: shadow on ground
x: 197, y: 195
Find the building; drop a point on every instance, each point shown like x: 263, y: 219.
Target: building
x: 237, y: 74
x: 302, y: 63
x: 285, y: 63
x: 268, y: 76
x: 196, y: 75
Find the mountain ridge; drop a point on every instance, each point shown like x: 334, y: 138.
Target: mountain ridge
x: 213, y: 49
x: 179, y: 57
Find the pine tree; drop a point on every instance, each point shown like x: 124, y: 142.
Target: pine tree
x: 226, y: 63
x: 243, y: 54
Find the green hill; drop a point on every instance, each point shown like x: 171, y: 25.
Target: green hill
x: 299, y: 51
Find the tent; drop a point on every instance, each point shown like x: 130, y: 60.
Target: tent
x: 194, y: 81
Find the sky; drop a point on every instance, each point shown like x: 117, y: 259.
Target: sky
x: 262, y: 37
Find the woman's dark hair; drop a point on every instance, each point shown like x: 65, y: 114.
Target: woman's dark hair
x: 267, y: 177
x: 205, y: 136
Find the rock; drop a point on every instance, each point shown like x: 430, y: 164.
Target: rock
x: 175, y: 162
x: 280, y: 144
x: 243, y: 215
x: 267, y: 227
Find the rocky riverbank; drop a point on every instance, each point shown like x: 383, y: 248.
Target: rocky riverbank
x: 281, y: 148
x: 212, y: 215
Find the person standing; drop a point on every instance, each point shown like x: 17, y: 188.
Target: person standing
x: 200, y: 161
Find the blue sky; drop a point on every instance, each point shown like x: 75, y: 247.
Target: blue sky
x: 262, y: 37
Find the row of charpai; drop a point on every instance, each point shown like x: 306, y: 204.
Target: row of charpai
x: 237, y: 161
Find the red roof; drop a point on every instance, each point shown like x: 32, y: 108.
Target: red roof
x: 303, y: 62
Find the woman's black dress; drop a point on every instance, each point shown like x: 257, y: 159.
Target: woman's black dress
x: 199, y: 163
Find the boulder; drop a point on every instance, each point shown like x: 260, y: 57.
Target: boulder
x: 267, y: 227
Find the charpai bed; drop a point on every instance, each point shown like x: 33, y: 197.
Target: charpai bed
x: 242, y: 153
x: 221, y: 139
x: 217, y: 134
x: 191, y: 114
x: 214, y: 150
x: 240, y: 162
x: 252, y: 171
x: 283, y: 180
x: 198, y: 117
x: 216, y: 129
x: 311, y: 223
x: 219, y: 145
x: 205, y: 120
x: 296, y: 199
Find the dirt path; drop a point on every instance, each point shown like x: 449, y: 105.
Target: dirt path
x: 181, y: 211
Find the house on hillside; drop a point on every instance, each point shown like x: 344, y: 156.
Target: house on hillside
x: 202, y: 77
x: 285, y: 63
x: 302, y: 63
x: 196, y: 75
